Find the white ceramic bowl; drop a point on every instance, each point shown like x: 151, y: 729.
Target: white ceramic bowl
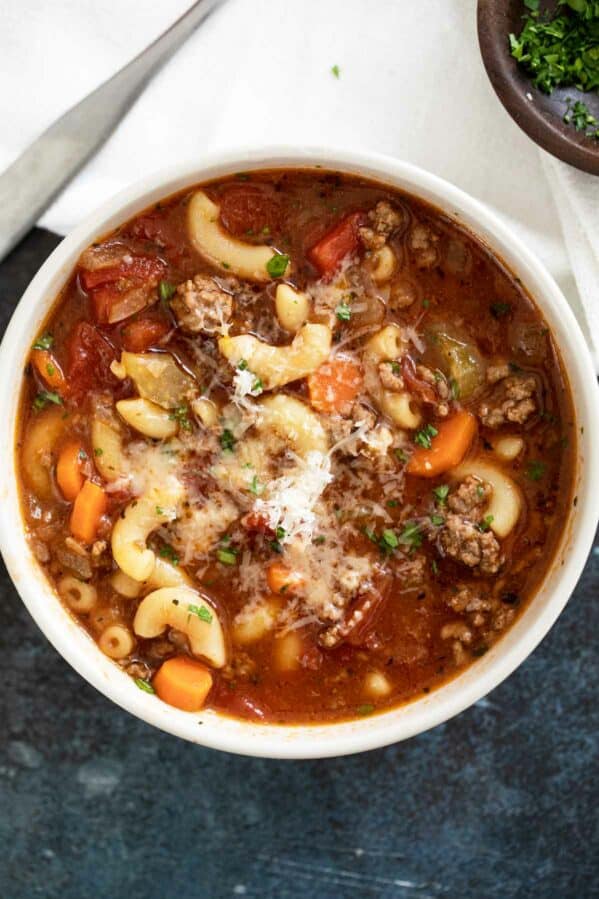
x: 208, y: 727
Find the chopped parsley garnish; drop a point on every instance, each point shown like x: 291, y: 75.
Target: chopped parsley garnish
x: 343, y: 312
x: 560, y: 50
x: 392, y: 503
x: 98, y: 451
x: 437, y: 520
x: 441, y: 493
x: 411, y: 535
x: 371, y: 534
x: 424, y: 436
x: 225, y: 264
x: 50, y: 370
x: 227, y: 441
x: 454, y: 389
x: 44, y: 397
x: 434, y: 566
x: 43, y: 343
x: 486, y: 523
x: 181, y: 416
x: 202, y: 612
x: 335, y: 71
x: 276, y: 544
x: 318, y: 541
x: 500, y: 310
x: 227, y: 556
x: 167, y: 552
x: 166, y: 290
x: 366, y: 709
x: 242, y: 365
x: 395, y: 368
x: 388, y: 541
x: 255, y: 486
x: 257, y: 387
x: 401, y: 455
x: 159, y: 510
x: 144, y: 685
x: 535, y: 470
x: 277, y: 265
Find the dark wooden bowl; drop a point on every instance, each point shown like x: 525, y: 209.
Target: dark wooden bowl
x: 539, y: 115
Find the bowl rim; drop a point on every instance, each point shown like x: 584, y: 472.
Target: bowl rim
x: 305, y: 740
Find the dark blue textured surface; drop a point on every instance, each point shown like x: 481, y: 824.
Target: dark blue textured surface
x: 501, y: 802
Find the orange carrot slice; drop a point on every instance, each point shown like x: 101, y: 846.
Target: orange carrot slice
x: 48, y: 369
x: 68, y: 470
x: 183, y: 683
x: 88, y: 508
x: 334, y: 385
x: 281, y: 579
x: 448, y: 447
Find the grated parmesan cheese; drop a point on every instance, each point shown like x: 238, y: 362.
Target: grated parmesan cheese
x: 290, y: 500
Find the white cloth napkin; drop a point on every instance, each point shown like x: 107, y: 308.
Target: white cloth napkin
x: 411, y: 83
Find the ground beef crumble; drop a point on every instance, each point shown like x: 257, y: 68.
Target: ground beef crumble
x: 201, y: 306
x: 383, y: 220
x: 513, y: 400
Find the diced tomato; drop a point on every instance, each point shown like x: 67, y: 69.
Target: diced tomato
x: 414, y: 383
x: 89, y: 358
x: 151, y: 226
x: 256, y: 522
x: 327, y: 254
x: 144, y: 333
x: 127, y: 284
x: 248, y: 210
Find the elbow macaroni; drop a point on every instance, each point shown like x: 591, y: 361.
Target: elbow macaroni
x: 384, y: 264
x: 387, y: 345
x: 147, y: 418
x: 293, y: 421
x: 108, y: 449
x: 279, y: 365
x: 140, y: 518
x: 292, y: 307
x: 505, y: 504
x: 187, y: 611
x: 222, y: 249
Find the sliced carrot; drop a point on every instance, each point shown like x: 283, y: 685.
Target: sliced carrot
x: 183, y: 682
x: 334, y: 385
x: 88, y: 508
x: 68, y: 469
x: 281, y: 579
x: 48, y: 369
x: 448, y: 447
